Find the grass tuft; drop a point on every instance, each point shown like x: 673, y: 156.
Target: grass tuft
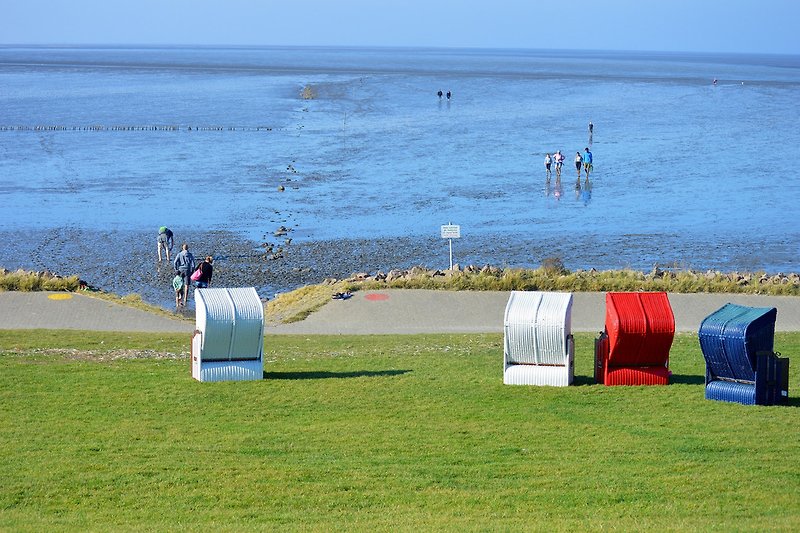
x: 296, y: 305
x: 308, y: 92
x: 23, y: 281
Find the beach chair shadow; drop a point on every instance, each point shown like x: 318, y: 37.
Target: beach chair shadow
x: 322, y: 374
x: 686, y: 379
x: 582, y: 381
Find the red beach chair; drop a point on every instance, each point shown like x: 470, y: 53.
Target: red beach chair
x: 634, y: 348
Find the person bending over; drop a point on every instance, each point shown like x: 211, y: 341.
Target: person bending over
x: 165, y: 241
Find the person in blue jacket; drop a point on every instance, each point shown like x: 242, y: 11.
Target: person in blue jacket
x: 184, y: 266
x: 587, y: 161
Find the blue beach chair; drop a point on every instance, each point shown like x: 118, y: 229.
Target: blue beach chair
x: 741, y: 367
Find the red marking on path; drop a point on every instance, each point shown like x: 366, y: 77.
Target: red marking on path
x: 376, y: 297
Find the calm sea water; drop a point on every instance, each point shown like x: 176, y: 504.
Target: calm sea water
x: 202, y: 138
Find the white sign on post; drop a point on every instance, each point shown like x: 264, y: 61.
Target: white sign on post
x: 450, y: 232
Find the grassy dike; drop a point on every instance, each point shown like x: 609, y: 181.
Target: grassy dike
x: 107, y: 431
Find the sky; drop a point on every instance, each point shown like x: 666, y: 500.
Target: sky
x: 744, y: 26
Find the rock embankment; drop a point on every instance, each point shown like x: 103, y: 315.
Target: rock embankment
x: 555, y: 276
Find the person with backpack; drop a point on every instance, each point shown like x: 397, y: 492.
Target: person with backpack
x: 184, y: 266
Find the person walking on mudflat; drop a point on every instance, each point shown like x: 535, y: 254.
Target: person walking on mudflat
x: 165, y: 241
x: 578, y: 163
x: 559, y: 157
x: 206, y: 268
x: 184, y: 266
x: 587, y: 162
x: 547, y: 162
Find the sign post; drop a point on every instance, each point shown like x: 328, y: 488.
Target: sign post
x: 450, y: 232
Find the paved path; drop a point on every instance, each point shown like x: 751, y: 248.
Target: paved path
x: 49, y: 310
x: 424, y: 311
x: 367, y: 312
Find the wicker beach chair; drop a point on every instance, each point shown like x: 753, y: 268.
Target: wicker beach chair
x: 228, y: 341
x: 538, y: 348
x: 737, y: 344
x: 634, y: 347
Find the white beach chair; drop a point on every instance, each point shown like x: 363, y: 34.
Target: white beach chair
x: 538, y: 347
x: 228, y: 341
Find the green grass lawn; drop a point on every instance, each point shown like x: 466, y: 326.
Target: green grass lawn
x: 109, y: 432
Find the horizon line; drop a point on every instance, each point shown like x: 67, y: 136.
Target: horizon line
x: 385, y: 47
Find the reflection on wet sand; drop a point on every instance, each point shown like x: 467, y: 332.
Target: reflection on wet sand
x: 555, y: 190
x: 583, y: 194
